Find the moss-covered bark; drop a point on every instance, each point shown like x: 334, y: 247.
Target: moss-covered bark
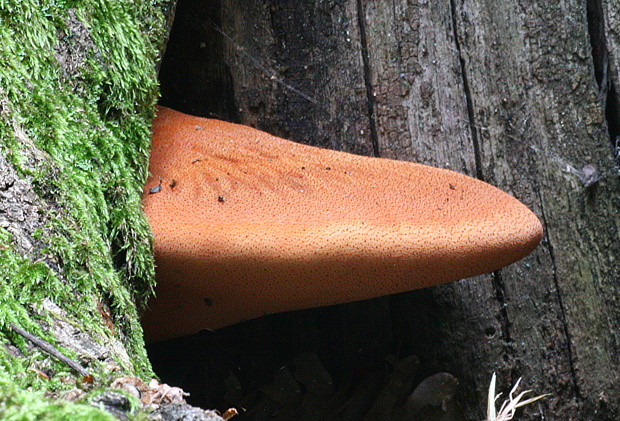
x: 77, y: 88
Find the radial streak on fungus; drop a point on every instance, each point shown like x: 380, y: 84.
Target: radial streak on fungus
x: 291, y: 234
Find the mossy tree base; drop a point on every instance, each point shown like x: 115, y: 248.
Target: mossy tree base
x: 77, y: 88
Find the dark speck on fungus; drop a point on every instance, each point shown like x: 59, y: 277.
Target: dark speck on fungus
x: 156, y: 189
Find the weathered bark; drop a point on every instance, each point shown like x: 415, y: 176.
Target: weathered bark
x: 504, y: 91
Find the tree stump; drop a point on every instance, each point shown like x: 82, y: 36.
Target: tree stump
x: 522, y: 95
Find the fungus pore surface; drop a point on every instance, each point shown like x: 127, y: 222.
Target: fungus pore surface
x: 247, y: 224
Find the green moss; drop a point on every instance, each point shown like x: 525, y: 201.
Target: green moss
x: 77, y: 89
x: 21, y: 398
x: 21, y: 405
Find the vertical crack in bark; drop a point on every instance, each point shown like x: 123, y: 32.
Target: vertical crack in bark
x: 367, y: 79
x: 562, y: 316
x: 600, y: 56
x: 498, y: 287
x: 498, y: 283
x: 468, y: 96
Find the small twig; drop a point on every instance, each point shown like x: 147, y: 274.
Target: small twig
x: 49, y: 348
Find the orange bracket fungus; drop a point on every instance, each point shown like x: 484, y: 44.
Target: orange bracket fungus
x: 247, y: 224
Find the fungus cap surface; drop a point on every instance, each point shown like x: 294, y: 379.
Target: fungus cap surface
x: 247, y: 224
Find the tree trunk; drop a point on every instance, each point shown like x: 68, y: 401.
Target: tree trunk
x: 520, y: 94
